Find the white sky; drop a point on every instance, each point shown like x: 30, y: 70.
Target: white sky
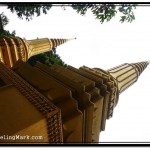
x: 105, y: 46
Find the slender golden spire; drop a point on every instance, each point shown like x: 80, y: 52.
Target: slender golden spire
x: 14, y: 48
x: 118, y: 79
x: 126, y: 74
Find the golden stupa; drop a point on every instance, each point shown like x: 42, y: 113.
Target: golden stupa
x: 61, y: 105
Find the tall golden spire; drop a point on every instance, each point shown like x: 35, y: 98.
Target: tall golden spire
x: 14, y: 48
x: 126, y: 74
x: 118, y: 79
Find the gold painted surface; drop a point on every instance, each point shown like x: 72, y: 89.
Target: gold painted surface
x: 19, y: 117
x: 97, y: 99
x: 111, y: 87
x: 81, y: 88
x: 56, y: 93
x: 102, y: 89
x: 1, y: 55
x: 45, y: 107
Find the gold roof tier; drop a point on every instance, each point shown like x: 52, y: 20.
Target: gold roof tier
x: 14, y: 48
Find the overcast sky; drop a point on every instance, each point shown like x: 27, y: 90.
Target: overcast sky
x: 103, y: 46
